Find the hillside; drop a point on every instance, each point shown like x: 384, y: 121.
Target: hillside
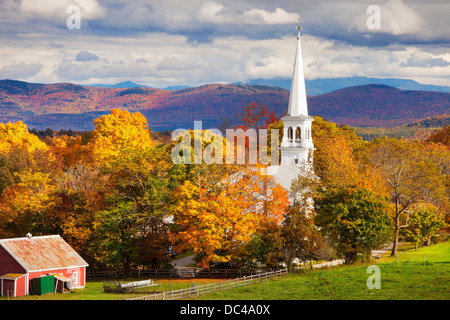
x: 378, y: 105
x: 417, y: 130
x: 70, y: 106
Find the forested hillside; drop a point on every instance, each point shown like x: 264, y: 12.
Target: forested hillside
x: 69, y: 106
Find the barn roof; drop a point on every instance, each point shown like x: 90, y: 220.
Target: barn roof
x: 42, y: 253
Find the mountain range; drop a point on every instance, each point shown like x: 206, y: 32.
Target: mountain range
x: 72, y: 106
x: 313, y: 87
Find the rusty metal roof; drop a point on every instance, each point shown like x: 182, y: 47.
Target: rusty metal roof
x: 42, y: 253
x: 12, y: 276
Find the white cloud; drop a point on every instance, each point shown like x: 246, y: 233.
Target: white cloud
x: 154, y: 42
x: 279, y: 16
x: 209, y: 11
x: 396, y: 18
x: 86, y: 56
x: 20, y: 70
x: 424, y: 59
x: 51, y: 9
x: 213, y: 12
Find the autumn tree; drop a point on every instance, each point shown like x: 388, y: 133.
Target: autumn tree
x: 26, y: 187
x: 256, y: 117
x: 216, y: 221
x: 118, y: 131
x: 27, y: 206
x: 22, y: 151
x: 71, y: 150
x: 17, y: 135
x: 441, y: 136
x: 410, y: 176
x: 81, y: 189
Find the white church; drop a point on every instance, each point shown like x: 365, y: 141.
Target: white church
x: 297, y: 146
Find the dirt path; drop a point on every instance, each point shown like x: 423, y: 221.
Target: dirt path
x: 183, y: 262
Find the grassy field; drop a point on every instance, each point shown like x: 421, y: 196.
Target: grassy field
x: 408, y: 279
x: 417, y: 275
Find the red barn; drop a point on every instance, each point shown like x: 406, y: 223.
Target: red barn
x: 24, y: 259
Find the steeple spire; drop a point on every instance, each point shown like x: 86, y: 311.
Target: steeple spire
x: 298, y: 28
x: 297, y: 139
x: 297, y: 100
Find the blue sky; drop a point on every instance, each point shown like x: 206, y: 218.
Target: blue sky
x: 162, y: 43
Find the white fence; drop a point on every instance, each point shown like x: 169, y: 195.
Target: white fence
x: 211, y: 287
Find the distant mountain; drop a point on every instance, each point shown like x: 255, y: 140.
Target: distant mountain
x: 120, y: 85
x: 130, y: 84
x: 313, y: 87
x: 176, y: 87
x: 378, y: 105
x: 70, y: 106
x: 321, y: 86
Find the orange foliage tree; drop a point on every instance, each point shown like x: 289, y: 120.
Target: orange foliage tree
x: 218, y: 223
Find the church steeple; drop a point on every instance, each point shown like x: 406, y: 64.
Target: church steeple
x: 297, y: 100
x: 297, y: 140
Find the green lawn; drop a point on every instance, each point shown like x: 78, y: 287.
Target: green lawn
x: 408, y: 279
x: 94, y: 290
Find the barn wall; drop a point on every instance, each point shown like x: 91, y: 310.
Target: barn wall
x: 8, y: 264
x: 7, y: 287
x: 68, y: 273
x: 21, y: 286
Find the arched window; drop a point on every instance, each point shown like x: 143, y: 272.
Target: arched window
x: 298, y: 133
x: 289, y: 133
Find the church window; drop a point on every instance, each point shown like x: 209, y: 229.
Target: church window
x: 298, y: 133
x: 289, y: 132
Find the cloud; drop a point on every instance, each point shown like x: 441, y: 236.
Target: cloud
x: 279, y: 16
x: 86, y: 56
x: 209, y: 12
x: 424, y: 60
x: 55, y: 45
x: 161, y: 43
x: 51, y: 9
x: 396, y: 18
x: 20, y: 70
x: 213, y: 12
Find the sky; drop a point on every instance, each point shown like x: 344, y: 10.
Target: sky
x: 162, y: 43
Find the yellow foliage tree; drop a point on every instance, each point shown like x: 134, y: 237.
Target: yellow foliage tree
x: 116, y: 132
x: 27, y: 205
x: 16, y: 135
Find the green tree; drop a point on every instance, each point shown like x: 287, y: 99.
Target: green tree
x: 423, y: 224
x: 356, y: 220
x: 299, y: 235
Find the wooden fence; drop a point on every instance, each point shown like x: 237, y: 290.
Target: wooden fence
x: 211, y: 287
x: 175, y: 273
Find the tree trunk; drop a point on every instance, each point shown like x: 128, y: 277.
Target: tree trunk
x: 396, y: 229
x: 395, y: 245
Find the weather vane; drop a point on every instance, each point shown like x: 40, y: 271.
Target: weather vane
x: 298, y: 28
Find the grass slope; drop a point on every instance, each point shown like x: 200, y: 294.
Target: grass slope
x: 408, y: 279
